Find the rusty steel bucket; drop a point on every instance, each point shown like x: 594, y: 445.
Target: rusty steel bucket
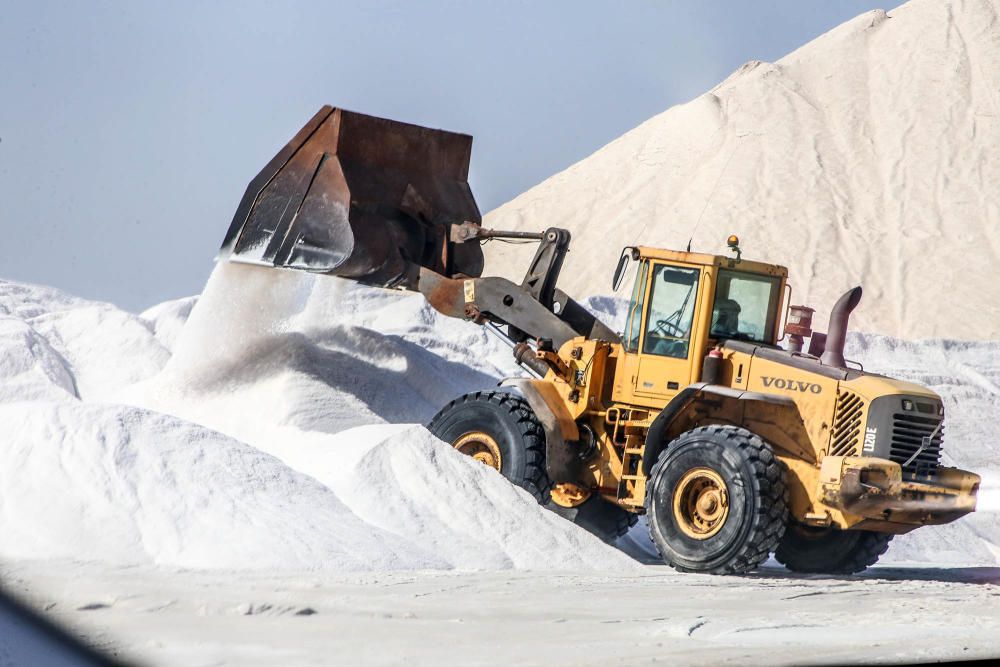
x: 363, y: 198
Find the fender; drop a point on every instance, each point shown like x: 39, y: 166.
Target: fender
x: 699, y: 391
x: 561, y: 462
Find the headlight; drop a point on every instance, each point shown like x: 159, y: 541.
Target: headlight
x: 908, y: 404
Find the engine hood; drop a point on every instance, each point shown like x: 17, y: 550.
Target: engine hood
x: 869, y: 385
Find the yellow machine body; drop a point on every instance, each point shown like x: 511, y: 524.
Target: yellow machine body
x: 816, y: 417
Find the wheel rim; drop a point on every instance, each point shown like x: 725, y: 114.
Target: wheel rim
x: 569, y: 495
x: 482, y: 447
x: 701, y: 503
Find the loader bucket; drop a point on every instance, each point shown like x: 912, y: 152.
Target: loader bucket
x: 363, y: 198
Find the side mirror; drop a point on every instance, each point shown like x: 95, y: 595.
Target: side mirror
x: 627, y: 253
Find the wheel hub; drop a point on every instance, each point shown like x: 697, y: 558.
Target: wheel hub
x: 569, y: 495
x: 701, y: 503
x: 482, y: 447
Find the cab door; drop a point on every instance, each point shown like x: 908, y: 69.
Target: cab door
x: 668, y: 349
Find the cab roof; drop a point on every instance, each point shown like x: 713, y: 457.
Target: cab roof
x: 703, y: 259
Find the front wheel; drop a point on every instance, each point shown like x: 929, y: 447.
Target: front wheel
x: 500, y: 429
x: 716, y: 501
x: 829, y: 550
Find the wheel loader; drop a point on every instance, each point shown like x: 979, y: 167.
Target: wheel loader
x: 705, y: 414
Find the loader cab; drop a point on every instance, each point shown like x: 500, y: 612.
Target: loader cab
x: 683, y: 304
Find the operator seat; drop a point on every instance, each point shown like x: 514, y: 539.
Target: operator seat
x: 726, y: 318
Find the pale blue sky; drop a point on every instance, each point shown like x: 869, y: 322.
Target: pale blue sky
x: 128, y: 130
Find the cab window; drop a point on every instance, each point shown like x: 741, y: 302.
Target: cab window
x: 674, y: 292
x: 746, y: 306
x: 634, y: 323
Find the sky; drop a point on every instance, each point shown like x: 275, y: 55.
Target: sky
x: 129, y: 130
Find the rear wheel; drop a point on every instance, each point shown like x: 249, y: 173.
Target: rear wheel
x: 716, y: 501
x: 500, y: 429
x: 829, y: 550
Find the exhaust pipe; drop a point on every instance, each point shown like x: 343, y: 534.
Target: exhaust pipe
x: 836, y: 335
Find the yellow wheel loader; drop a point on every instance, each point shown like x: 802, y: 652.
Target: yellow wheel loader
x: 733, y: 446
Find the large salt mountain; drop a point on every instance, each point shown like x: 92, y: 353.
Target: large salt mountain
x: 868, y: 156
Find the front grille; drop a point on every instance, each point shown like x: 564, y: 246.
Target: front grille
x: 908, y: 433
x: 846, y: 425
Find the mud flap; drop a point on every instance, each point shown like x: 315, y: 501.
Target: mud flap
x: 561, y: 434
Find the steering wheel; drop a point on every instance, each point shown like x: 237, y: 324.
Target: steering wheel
x: 669, y: 329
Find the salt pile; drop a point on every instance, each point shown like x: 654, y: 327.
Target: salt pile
x: 278, y: 360
x: 868, y: 156
x: 128, y: 486
x: 94, y: 347
x: 316, y: 478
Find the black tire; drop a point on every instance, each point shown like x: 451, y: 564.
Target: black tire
x: 830, y: 551
x: 511, y: 422
x: 757, y: 501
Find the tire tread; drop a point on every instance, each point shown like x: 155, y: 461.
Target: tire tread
x: 869, y: 548
x: 536, y: 481
x: 772, y: 514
